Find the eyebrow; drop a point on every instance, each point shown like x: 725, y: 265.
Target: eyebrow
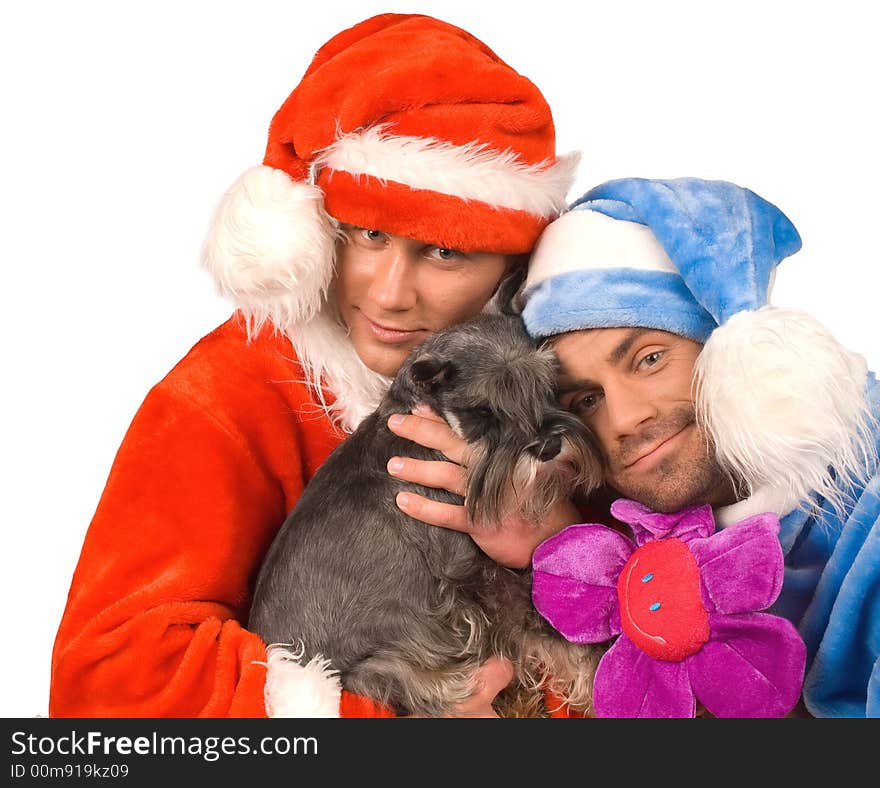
x: 616, y: 355
x: 614, y: 358
x: 575, y: 385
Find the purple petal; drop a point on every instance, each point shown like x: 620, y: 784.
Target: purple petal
x: 574, y: 584
x: 587, y: 552
x: 753, y: 666
x: 629, y: 683
x: 741, y: 567
x: 648, y: 525
x: 581, y: 613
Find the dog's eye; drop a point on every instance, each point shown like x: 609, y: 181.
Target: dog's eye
x: 484, y: 413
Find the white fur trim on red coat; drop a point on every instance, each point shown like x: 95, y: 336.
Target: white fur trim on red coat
x: 329, y: 360
x: 297, y: 690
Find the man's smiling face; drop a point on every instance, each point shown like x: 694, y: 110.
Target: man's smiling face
x: 633, y: 388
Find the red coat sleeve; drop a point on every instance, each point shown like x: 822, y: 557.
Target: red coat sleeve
x: 211, y: 465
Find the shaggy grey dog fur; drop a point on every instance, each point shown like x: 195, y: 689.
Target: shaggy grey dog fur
x: 407, y: 611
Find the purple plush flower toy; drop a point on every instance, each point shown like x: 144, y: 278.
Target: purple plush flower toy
x: 683, y: 600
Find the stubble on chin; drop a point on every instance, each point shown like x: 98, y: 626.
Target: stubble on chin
x: 678, y: 484
x: 688, y: 478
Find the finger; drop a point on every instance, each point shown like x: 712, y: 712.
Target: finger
x: 488, y: 680
x: 445, y: 515
x: 430, y: 433
x: 427, y: 412
x: 492, y: 677
x: 430, y: 473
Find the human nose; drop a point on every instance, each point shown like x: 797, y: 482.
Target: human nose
x: 392, y: 286
x: 627, y: 408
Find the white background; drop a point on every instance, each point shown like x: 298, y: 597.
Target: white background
x: 123, y: 123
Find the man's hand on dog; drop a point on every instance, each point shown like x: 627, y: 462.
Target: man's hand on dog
x: 489, y: 679
x: 513, y: 543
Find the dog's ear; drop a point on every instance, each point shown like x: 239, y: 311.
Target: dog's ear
x: 428, y: 373
x: 505, y: 301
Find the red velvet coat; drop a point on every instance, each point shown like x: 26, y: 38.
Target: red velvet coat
x: 214, y: 460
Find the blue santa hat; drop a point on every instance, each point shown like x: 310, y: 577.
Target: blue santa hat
x: 782, y: 401
x: 680, y: 255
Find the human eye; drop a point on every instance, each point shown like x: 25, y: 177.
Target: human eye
x: 585, y: 404
x: 371, y: 236
x: 651, y: 359
x: 444, y: 255
x: 365, y: 236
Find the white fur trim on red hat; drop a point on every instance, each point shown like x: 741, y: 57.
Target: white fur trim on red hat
x: 297, y: 690
x: 471, y: 172
x: 271, y: 247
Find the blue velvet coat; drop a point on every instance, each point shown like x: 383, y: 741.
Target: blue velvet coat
x: 832, y: 594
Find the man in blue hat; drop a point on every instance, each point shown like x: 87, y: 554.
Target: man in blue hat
x: 654, y: 296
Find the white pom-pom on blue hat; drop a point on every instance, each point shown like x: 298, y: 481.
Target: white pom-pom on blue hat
x: 782, y: 400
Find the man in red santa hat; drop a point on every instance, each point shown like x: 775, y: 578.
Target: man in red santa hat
x: 406, y: 174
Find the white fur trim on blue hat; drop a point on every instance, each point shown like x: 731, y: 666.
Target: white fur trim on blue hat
x: 590, y: 270
x: 585, y: 239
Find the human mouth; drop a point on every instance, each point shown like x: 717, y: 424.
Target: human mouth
x: 654, y: 453
x: 390, y: 334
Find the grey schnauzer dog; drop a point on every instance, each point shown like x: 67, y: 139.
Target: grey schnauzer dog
x: 406, y: 611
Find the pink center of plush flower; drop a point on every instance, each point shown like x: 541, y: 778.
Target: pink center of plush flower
x: 661, y: 609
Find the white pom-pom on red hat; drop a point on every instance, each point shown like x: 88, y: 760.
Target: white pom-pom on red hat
x: 271, y: 247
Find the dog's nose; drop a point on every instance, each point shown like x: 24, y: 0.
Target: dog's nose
x: 549, y: 448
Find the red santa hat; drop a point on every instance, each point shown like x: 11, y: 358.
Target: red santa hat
x: 402, y: 123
